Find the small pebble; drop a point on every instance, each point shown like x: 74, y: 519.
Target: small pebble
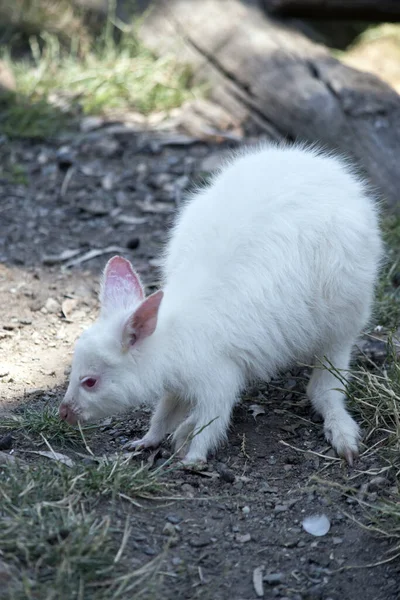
x: 337, y: 540
x: 238, y: 485
x: 107, y: 182
x: 267, y: 489
x: 6, y: 442
x: 52, y: 306
x: 188, y: 489
x: 216, y: 515
x: 243, y: 538
x: 274, y: 578
x: 377, y: 483
x: 291, y: 543
x: 64, y: 158
x: 226, y: 474
x: 90, y: 123
x: 280, y: 508
x: 169, y: 529
x: 174, y: 519
x: 142, y: 169
x: 200, y: 541
x: 161, y: 179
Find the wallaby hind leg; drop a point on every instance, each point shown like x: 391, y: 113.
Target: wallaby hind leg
x: 327, y: 395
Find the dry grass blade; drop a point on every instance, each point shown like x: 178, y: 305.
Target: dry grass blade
x: 312, y: 452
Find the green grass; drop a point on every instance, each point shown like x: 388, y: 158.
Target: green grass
x: 31, y: 118
x: 374, y: 392
x: 65, y: 530
x: 117, y: 477
x: 112, y: 75
x: 60, y: 534
x: 13, y: 172
x: 54, y: 85
x: 387, y: 312
x: 374, y: 395
x: 36, y: 423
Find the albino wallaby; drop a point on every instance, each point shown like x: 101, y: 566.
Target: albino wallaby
x: 274, y: 263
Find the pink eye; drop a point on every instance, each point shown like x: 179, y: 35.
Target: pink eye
x: 88, y: 382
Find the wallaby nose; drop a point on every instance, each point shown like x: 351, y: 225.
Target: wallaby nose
x: 67, y: 414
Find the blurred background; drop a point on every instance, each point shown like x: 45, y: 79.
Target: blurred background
x: 64, y: 58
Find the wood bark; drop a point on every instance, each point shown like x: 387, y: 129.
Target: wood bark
x: 268, y: 74
x: 364, y: 10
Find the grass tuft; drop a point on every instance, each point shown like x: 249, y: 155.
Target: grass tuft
x: 30, y: 117
x: 388, y: 293
x: 13, y: 172
x: 117, y: 477
x: 45, y: 422
x: 54, y: 84
x: 60, y: 534
x: 374, y: 395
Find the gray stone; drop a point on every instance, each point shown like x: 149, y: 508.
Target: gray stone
x: 274, y: 578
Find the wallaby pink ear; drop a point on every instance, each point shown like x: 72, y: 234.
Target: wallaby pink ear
x: 120, y: 287
x: 143, y: 322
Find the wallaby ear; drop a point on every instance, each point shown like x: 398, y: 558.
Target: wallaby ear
x: 120, y: 286
x: 143, y: 322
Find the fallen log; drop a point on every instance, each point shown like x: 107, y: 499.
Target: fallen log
x: 364, y: 10
x: 269, y: 75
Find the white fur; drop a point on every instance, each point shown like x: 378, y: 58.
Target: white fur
x: 274, y: 263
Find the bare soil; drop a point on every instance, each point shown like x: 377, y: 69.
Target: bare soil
x: 246, y: 510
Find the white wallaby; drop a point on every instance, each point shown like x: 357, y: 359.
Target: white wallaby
x: 273, y: 264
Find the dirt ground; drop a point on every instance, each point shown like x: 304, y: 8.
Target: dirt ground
x: 245, y: 512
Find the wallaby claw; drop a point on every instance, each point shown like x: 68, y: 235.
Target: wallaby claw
x: 141, y: 444
x: 350, y: 456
